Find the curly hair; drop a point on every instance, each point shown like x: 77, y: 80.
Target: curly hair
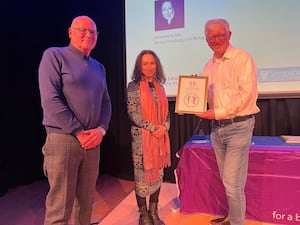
x: 137, y: 71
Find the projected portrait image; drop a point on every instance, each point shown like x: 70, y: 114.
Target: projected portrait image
x: 169, y: 14
x: 167, y: 11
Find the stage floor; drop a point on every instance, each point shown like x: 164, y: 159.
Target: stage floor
x: 126, y: 213
x: 115, y: 204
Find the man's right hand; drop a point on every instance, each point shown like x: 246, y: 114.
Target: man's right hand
x: 209, y: 114
x: 90, y: 138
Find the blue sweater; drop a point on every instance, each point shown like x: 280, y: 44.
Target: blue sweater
x: 74, y: 94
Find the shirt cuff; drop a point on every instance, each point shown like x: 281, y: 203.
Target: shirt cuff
x: 102, y: 130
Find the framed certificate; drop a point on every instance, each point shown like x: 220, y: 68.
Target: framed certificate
x: 191, y: 94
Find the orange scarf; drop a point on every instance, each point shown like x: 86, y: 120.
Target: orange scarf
x: 156, y: 151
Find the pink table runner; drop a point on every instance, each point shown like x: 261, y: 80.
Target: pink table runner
x: 272, y: 189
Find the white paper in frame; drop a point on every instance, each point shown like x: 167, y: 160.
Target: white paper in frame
x: 191, y: 95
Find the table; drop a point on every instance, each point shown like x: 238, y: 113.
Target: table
x: 272, y: 188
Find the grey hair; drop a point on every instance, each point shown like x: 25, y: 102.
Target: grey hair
x: 218, y: 21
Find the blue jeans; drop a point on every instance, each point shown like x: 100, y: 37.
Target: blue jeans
x: 231, y: 146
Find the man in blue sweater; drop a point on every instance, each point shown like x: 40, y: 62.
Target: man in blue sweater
x: 76, y: 113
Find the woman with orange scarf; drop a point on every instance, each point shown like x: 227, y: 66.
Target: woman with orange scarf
x: 147, y: 107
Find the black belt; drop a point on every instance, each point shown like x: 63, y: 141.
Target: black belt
x: 225, y: 122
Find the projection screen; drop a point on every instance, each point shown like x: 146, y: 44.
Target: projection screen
x: 268, y: 29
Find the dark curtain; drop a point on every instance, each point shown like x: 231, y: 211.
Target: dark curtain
x: 31, y: 27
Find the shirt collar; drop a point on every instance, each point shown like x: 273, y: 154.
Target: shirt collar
x: 76, y: 51
x: 227, y: 55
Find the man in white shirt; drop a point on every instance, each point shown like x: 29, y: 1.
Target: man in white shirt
x: 232, y: 96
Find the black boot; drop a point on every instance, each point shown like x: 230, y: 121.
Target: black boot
x: 144, y: 216
x: 154, y: 215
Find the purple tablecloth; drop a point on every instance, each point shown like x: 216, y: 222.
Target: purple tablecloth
x: 272, y: 189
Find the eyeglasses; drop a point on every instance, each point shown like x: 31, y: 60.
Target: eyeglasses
x: 85, y: 31
x: 219, y: 36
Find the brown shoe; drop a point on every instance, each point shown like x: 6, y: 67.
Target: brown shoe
x: 220, y: 221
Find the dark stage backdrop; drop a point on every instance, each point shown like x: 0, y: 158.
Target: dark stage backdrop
x: 28, y: 28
